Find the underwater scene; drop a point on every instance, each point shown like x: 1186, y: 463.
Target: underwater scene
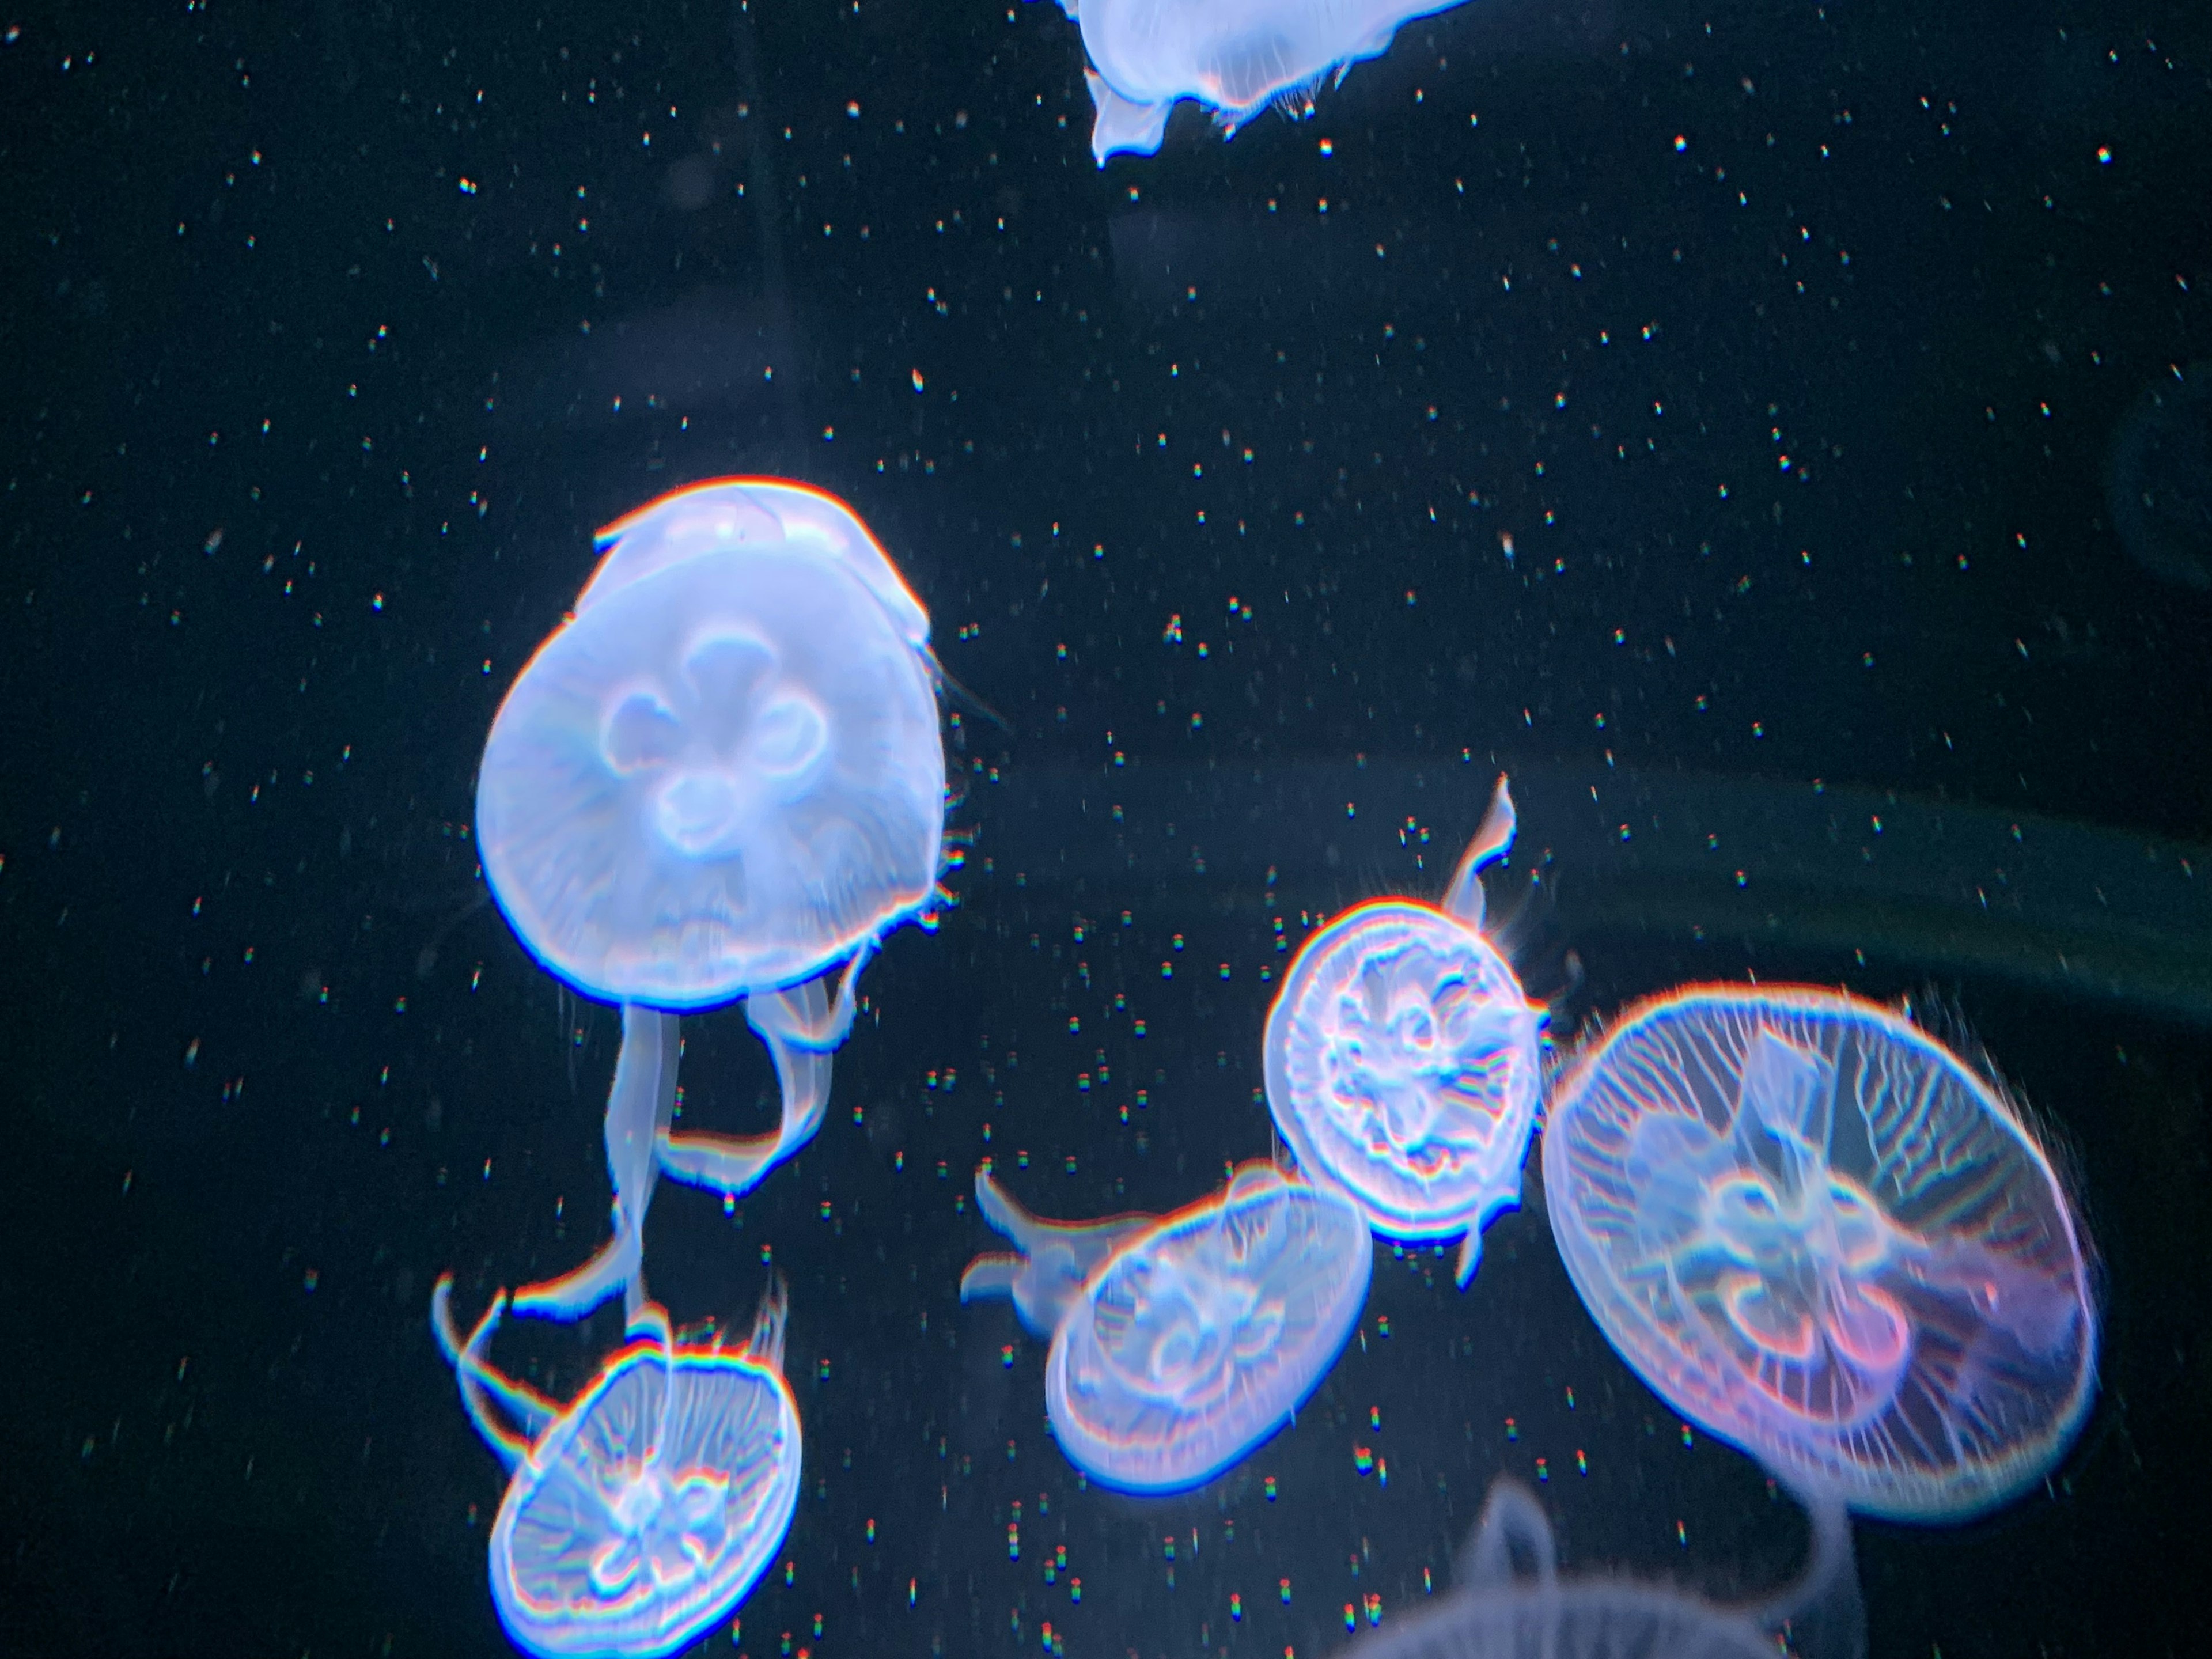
x: 1109, y: 829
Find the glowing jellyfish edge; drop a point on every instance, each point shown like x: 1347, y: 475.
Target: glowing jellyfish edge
x: 1149, y: 1404
x: 1890, y: 1305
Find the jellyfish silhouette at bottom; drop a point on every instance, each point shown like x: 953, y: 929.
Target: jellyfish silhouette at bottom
x: 1810, y: 1227
x: 1404, y: 1063
x: 1496, y: 1610
x: 1180, y: 1342
x: 641, y: 1514
x: 718, y: 780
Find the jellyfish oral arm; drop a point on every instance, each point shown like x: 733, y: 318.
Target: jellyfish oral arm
x: 1056, y: 1257
x: 484, y: 1388
x: 1493, y: 840
x: 731, y: 1165
x: 640, y: 1106
x: 1124, y: 124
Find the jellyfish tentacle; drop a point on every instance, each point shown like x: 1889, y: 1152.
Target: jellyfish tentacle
x: 1821, y: 1610
x: 765, y: 1343
x: 1463, y: 900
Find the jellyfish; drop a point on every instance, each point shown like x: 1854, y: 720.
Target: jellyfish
x: 641, y: 1514
x: 1237, y: 55
x: 1403, y: 1061
x: 1180, y: 1342
x: 720, y: 779
x: 1495, y: 1612
x: 1811, y: 1228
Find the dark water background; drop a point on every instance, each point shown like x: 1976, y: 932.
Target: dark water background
x: 307, y: 425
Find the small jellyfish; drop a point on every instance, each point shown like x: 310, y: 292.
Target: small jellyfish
x: 1811, y: 1228
x: 1497, y: 1611
x: 640, y: 1515
x: 721, y: 779
x: 1237, y: 55
x: 1404, y: 1063
x: 1180, y: 1342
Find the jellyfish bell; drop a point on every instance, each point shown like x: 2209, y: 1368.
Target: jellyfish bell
x: 1501, y: 1609
x: 724, y: 775
x: 639, y: 1515
x: 1404, y: 1062
x: 1180, y: 1342
x: 1812, y: 1228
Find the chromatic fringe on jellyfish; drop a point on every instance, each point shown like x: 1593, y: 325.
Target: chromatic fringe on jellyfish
x: 1812, y: 1229
x: 1404, y: 1063
x: 1180, y: 1342
x: 1237, y: 56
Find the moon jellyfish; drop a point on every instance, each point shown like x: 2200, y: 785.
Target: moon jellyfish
x: 1180, y: 1342
x: 721, y: 779
x: 642, y: 1513
x: 1810, y: 1228
x: 1497, y: 1611
x: 1403, y: 1061
x: 1237, y: 55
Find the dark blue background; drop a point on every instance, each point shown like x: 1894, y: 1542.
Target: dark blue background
x: 303, y: 443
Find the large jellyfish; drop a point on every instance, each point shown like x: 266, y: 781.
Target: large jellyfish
x: 721, y: 779
x: 1237, y: 55
x: 641, y: 1514
x: 1495, y: 1612
x: 1180, y: 1342
x: 1403, y: 1061
x: 1812, y: 1228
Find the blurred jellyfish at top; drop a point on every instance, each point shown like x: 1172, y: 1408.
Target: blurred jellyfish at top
x: 1404, y: 1063
x: 1810, y: 1228
x: 1180, y: 1342
x: 718, y: 779
x: 1500, y: 1608
x: 1237, y: 55
x: 641, y: 1514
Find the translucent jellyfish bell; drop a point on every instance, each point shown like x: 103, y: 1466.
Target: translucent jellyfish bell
x: 640, y: 1515
x: 1238, y: 56
x: 1811, y: 1228
x: 720, y: 779
x: 724, y: 775
x: 1498, y: 1610
x: 1180, y: 1342
x: 1404, y: 1062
